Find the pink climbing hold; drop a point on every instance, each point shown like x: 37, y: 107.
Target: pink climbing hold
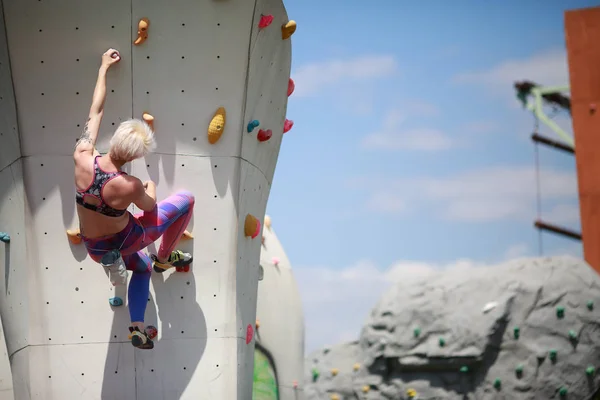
x: 291, y: 87
x: 265, y: 20
x: 275, y: 261
x: 249, y: 334
x: 287, y: 125
x: 264, y: 135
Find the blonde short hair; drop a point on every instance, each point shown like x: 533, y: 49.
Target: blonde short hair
x: 133, y: 139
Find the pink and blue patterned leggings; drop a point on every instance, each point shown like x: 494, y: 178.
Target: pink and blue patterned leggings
x: 168, y: 219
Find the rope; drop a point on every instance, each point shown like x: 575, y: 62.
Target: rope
x: 538, y: 187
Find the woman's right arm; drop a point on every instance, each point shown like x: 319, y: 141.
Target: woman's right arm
x: 144, y: 195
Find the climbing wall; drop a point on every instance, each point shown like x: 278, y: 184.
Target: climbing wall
x: 62, y: 335
x: 280, y: 321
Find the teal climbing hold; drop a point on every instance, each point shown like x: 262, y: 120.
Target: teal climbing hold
x: 442, y: 342
x: 4, y: 237
x: 516, y: 332
x: 591, y: 370
x: 315, y: 374
x: 560, y: 312
x: 252, y: 124
x: 552, y: 354
x: 497, y: 383
x: 417, y: 332
x: 590, y: 305
x: 562, y: 391
x: 572, y: 335
x: 519, y: 370
x: 115, y: 301
x: 464, y: 369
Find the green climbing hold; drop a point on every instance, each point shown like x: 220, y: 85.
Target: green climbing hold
x: 417, y: 332
x: 590, y: 370
x: 572, y: 335
x: 562, y: 391
x: 552, y: 354
x: 4, y: 237
x: 464, y: 369
x: 442, y: 342
x: 590, y: 305
x: 519, y: 369
x: 315, y: 374
x: 560, y: 312
x: 517, y: 332
x: 497, y: 383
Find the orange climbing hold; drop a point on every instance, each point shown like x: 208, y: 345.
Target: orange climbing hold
x: 335, y: 397
x: 149, y: 119
x: 74, y: 236
x: 216, y: 126
x: 264, y: 135
x: 186, y: 235
x: 288, y: 29
x: 291, y: 87
x: 366, y: 389
x: 142, y: 31
x: 287, y: 125
x: 251, y: 226
x: 257, y: 323
x: 265, y: 20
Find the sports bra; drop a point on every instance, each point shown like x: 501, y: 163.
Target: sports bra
x: 101, y: 178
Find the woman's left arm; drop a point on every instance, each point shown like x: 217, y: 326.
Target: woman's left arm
x: 87, y: 140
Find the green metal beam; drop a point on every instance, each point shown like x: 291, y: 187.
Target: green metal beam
x: 536, y: 108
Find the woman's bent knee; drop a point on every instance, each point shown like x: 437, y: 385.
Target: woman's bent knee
x: 187, y: 195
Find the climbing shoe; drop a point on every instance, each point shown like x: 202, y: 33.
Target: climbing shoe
x: 178, y: 259
x: 140, y: 339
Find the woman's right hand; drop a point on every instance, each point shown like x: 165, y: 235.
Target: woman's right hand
x: 110, y: 57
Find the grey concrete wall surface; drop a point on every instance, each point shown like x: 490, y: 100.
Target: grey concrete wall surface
x: 64, y: 339
x: 525, y: 329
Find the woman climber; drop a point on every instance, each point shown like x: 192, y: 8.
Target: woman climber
x: 103, y: 194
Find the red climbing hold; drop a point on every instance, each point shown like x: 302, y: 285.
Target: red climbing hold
x: 249, y: 334
x: 287, y: 125
x: 263, y: 135
x: 265, y: 20
x: 291, y: 87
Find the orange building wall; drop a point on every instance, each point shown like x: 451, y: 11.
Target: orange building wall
x: 582, y: 31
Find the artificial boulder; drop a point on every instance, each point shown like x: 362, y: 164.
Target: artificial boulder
x: 526, y: 329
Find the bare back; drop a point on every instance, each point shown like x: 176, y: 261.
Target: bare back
x: 116, y: 193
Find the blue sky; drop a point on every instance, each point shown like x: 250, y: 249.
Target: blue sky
x: 409, y: 151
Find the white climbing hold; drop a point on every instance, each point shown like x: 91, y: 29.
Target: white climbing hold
x: 489, y: 307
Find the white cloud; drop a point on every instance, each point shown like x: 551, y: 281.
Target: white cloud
x: 478, y: 196
x: 548, y: 68
x: 563, y: 214
x: 393, y: 136
x: 311, y: 78
x: 517, y: 250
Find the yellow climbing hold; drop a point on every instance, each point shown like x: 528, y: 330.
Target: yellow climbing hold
x: 335, y: 397
x: 142, y: 31
x: 334, y: 371
x: 251, y: 226
x: 356, y: 366
x: 366, y: 389
x: 216, y: 126
x: 411, y: 393
x: 149, y: 119
x: 74, y: 236
x: 257, y: 323
x: 288, y: 29
x: 268, y: 222
x: 186, y: 235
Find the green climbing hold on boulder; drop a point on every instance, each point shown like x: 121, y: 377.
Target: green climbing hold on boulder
x: 442, y: 342
x: 497, y: 383
x: 560, y: 312
x: 517, y: 332
x: 590, y: 371
x: 552, y: 354
x: 562, y: 391
x: 417, y: 332
x: 590, y: 305
x: 572, y: 335
x: 464, y: 369
x: 519, y: 370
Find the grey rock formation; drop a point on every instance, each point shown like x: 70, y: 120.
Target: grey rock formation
x: 521, y: 330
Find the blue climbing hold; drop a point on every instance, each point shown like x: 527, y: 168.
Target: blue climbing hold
x: 4, y: 237
x: 115, y: 301
x: 252, y: 124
